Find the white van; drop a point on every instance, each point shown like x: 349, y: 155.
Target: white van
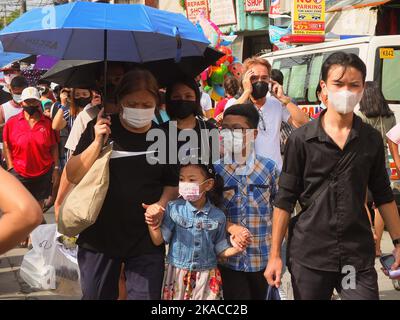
x: 301, y: 67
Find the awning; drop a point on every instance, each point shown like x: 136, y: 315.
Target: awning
x: 341, y: 5
x: 361, y: 21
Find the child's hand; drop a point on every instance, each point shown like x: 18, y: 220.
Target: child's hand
x: 235, y: 244
x: 154, y: 214
x: 241, y: 236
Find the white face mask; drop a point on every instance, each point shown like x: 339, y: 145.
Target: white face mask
x: 17, y: 98
x: 344, y: 101
x: 9, y: 77
x: 190, y: 191
x: 232, y: 141
x: 138, y: 118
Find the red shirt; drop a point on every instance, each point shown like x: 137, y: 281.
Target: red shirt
x: 220, y: 107
x: 30, y: 148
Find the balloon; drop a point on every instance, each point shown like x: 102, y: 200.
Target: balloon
x: 227, y: 57
x: 204, y: 75
x: 218, y: 74
x: 214, y: 95
x: 219, y: 90
x: 207, y: 88
x: 237, y: 70
x: 210, y: 29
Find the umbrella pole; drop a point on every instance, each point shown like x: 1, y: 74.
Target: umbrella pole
x: 105, y: 66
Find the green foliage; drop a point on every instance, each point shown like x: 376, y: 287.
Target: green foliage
x: 10, y: 18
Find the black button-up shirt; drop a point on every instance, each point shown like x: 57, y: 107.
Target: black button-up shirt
x: 334, y: 230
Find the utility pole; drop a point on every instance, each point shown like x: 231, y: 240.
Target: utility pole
x: 5, y: 15
x: 22, y: 9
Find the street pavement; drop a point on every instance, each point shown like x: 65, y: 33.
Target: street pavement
x: 12, y: 287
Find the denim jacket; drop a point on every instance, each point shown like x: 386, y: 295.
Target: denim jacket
x: 195, y: 237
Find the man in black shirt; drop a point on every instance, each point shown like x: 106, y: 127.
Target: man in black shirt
x: 329, y: 163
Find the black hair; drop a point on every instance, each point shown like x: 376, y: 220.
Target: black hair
x: 246, y: 110
x: 19, y: 82
x: 318, y: 91
x: 345, y: 60
x: 277, y: 76
x: 43, y: 82
x: 192, y: 84
x: 215, y: 195
x: 162, y: 98
x: 373, y: 103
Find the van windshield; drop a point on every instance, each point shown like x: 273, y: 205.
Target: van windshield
x: 390, y: 77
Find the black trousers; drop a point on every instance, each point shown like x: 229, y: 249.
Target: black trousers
x: 239, y: 285
x: 311, y: 284
x: 100, y: 276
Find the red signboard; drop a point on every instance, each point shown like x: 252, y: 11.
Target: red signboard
x: 254, y: 5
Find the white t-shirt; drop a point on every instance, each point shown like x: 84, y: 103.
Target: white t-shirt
x: 205, y: 101
x: 79, y: 126
x: 230, y: 103
x: 394, y: 134
x: 269, y: 127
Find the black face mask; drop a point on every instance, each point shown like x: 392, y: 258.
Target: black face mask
x: 181, y: 109
x: 31, y: 110
x: 260, y: 89
x: 82, y: 102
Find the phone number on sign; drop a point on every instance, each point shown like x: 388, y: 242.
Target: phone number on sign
x: 230, y: 309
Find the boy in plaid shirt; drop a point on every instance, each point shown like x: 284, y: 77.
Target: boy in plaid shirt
x: 250, y: 186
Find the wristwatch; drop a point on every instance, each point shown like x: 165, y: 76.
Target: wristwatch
x: 396, y: 242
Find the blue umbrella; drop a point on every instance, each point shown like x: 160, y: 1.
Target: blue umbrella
x: 101, y: 31
x: 8, y: 57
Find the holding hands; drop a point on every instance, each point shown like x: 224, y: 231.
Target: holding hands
x: 240, y: 237
x: 153, y: 215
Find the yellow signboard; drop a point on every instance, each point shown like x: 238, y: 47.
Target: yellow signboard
x: 386, y: 53
x: 309, y: 17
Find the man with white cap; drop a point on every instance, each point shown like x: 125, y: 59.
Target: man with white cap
x: 30, y: 146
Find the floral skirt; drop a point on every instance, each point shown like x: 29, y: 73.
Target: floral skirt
x: 180, y: 284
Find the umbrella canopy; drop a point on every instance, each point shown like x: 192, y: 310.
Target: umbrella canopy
x: 45, y: 62
x: 101, y: 31
x: 8, y: 57
x: 82, y: 73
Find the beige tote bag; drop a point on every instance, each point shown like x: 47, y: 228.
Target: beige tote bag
x: 82, y: 205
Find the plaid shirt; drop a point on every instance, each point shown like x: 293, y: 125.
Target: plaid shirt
x: 248, y: 201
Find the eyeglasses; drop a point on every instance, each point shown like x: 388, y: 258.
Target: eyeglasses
x: 261, y: 124
x: 231, y: 130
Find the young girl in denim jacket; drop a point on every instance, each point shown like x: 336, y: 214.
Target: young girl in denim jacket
x: 194, y: 228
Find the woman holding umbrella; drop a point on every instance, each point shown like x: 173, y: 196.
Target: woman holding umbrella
x: 120, y: 234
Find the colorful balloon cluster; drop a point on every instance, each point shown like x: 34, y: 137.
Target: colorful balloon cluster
x: 213, y: 77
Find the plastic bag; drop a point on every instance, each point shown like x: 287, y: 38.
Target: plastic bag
x: 52, y: 262
x: 274, y: 293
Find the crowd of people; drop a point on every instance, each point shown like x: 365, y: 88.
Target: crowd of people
x: 196, y: 227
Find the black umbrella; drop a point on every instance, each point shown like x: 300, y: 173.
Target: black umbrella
x: 84, y: 73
